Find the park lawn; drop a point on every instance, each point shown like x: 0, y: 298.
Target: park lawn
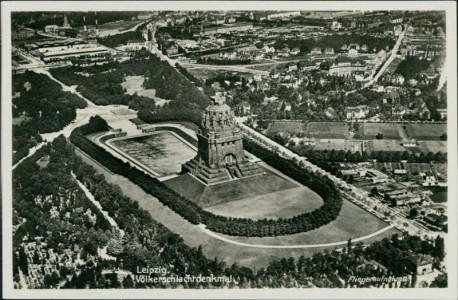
x: 353, y: 222
x: 391, y: 131
x: 193, y: 236
x: 282, y: 204
x: 426, y: 132
x: 228, y: 191
x: 328, y: 130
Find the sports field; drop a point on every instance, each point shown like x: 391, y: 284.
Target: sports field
x: 387, y: 145
x: 425, y: 132
x: 286, y: 126
x: 328, y: 130
x: 390, y: 131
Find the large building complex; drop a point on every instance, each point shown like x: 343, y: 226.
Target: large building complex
x: 343, y: 66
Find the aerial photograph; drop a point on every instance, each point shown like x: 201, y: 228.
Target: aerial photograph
x: 231, y: 149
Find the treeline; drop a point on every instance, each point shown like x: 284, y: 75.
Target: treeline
x: 380, y: 156
x: 188, y: 75
x: 231, y: 226
x: 116, y: 40
x: 43, y: 107
x: 211, y: 61
x: 337, y: 41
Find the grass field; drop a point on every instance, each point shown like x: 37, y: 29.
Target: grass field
x: 433, y: 146
x: 330, y: 144
x: 327, y: 130
x: 133, y: 84
x: 426, y: 132
x: 353, y: 222
x: 229, y: 191
x: 387, y: 145
x: 391, y: 131
x: 286, y: 126
x: 282, y: 204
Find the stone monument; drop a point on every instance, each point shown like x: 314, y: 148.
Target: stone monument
x: 220, y: 155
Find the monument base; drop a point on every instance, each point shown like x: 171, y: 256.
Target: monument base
x: 229, y: 172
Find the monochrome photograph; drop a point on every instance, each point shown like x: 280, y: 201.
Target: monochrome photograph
x: 244, y: 150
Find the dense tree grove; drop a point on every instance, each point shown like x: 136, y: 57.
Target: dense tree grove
x: 231, y: 226
x: 102, y: 85
x: 42, y: 106
x: 412, y: 66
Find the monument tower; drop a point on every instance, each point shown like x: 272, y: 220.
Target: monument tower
x: 220, y: 155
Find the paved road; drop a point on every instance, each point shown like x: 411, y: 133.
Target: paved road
x: 385, y: 65
x: 219, y: 237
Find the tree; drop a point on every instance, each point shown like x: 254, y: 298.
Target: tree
x: 23, y: 264
x: 128, y: 283
x: 439, y: 248
x: 413, y: 213
x: 374, y: 192
x: 349, y: 245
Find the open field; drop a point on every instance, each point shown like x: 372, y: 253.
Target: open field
x: 228, y: 191
x: 286, y: 126
x: 425, y: 132
x: 433, y: 146
x: 282, y: 204
x: 330, y: 144
x: 162, y: 152
x: 327, y: 130
x: 353, y: 222
x: 202, y: 73
x: 134, y: 84
x: 387, y: 145
x: 391, y: 131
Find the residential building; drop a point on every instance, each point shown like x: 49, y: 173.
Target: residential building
x: 344, y: 66
x: 424, y: 264
x: 357, y: 112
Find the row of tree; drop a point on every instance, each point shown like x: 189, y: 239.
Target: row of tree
x: 231, y: 226
x: 380, y: 156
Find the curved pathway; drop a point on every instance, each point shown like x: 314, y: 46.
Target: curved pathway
x: 219, y: 237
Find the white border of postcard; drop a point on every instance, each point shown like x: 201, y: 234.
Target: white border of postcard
x: 451, y: 71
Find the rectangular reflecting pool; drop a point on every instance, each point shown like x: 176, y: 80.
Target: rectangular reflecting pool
x: 163, y: 152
